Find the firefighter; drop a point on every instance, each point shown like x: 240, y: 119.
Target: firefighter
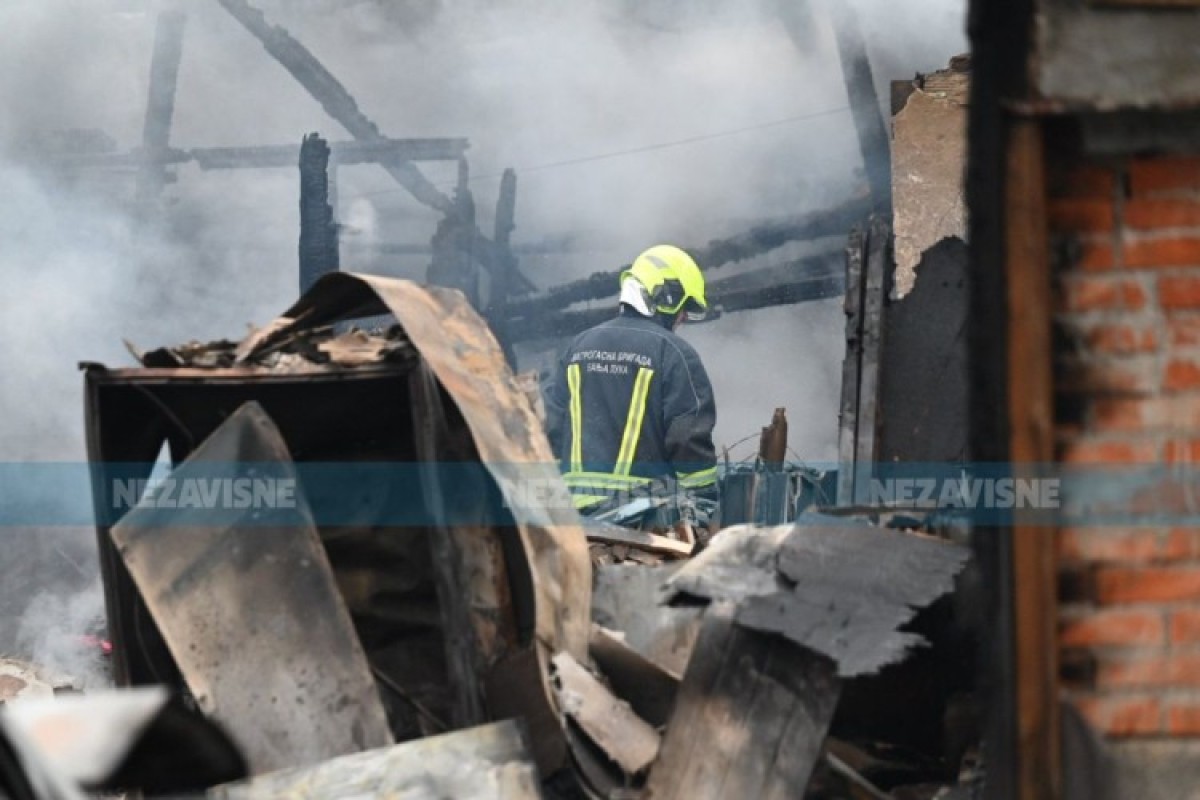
x: 630, y: 403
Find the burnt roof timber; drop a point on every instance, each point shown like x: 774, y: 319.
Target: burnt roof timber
x: 338, y: 103
x: 271, y: 156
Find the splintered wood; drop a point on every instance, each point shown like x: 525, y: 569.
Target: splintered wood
x: 606, y: 720
x: 750, y: 719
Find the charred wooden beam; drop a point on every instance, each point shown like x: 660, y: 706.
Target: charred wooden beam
x: 851, y: 366
x: 344, y: 153
x: 506, y: 263
x: 817, y: 278
x: 760, y: 239
x: 869, y: 415
x: 864, y: 103
x: 333, y: 97
x: 542, y: 248
x: 270, y: 156
x: 319, y: 82
x: 318, y: 230
x: 772, y: 445
x: 160, y: 104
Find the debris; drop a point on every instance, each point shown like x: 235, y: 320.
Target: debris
x: 847, y: 772
x: 20, y: 680
x: 772, y: 446
x: 251, y: 612
x: 527, y: 576
x: 749, y: 719
x: 842, y: 588
x: 647, y: 687
x: 107, y: 740
x: 488, y: 761
x: 607, y: 721
x: 298, y: 351
x: 625, y: 599
x: 636, y: 540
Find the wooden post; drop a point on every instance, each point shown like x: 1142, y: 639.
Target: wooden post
x: 160, y: 103
x: 318, y: 230
x: 506, y: 263
x: 1031, y: 441
x: 864, y: 104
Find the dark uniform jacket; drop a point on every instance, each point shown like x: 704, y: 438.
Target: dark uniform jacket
x: 629, y: 403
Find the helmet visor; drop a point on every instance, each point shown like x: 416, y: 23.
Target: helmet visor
x: 693, y: 311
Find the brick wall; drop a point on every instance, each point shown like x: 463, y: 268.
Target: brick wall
x: 1125, y: 239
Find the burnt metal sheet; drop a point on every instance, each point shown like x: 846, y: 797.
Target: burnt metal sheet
x: 251, y: 613
x: 843, y: 589
x: 468, y: 363
x: 750, y: 718
x: 490, y: 761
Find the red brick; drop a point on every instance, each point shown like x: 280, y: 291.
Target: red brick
x: 1091, y: 451
x: 1133, y: 375
x: 1179, y: 291
x: 1147, y: 584
x: 1115, y: 545
x: 1122, y: 714
x: 1182, y: 251
x: 1183, y: 718
x: 1121, y: 339
x: 1116, y: 627
x: 1182, y: 451
x: 1182, y: 543
x: 1185, y: 626
x: 1182, y: 374
x: 1094, y: 256
x: 1179, y: 412
x: 1095, y: 293
x: 1164, y: 174
x: 1184, y: 330
x: 1077, y: 215
x: 1171, y: 669
x: 1149, y: 214
x: 1083, y: 180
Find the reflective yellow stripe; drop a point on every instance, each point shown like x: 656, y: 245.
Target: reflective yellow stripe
x: 633, y: 421
x: 696, y: 480
x: 576, y: 418
x: 586, y: 500
x: 605, y: 479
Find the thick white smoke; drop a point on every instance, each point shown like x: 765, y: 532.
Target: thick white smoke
x: 629, y: 122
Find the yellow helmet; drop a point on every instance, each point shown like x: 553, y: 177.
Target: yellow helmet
x: 671, y: 279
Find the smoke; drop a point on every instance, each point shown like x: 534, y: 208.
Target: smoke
x: 57, y: 632
x: 628, y: 122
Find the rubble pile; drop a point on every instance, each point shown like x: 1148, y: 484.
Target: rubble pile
x: 468, y: 655
x: 293, y: 351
